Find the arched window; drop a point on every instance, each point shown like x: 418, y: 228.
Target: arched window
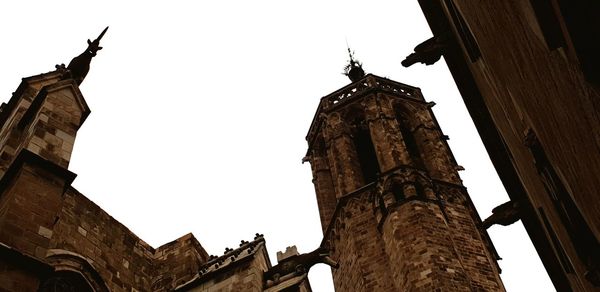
x: 585, y: 243
x: 65, y: 281
x: 409, y: 139
x: 420, y: 190
x: 73, y: 272
x: 365, y: 150
x: 398, y: 191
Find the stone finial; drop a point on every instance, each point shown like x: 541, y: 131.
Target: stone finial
x: 354, y: 69
x: 80, y: 65
x: 289, y: 251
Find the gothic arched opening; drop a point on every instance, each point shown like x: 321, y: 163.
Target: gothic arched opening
x: 584, y: 241
x: 404, y: 122
x: 65, y: 281
x: 365, y: 150
x: 398, y: 191
x: 366, y: 155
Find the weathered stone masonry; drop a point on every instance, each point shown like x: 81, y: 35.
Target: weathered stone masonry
x: 404, y: 223
x: 53, y: 236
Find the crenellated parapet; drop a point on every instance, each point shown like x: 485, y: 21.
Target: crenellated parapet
x: 354, y: 91
x: 237, y: 269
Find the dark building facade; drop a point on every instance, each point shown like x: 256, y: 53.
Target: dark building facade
x: 529, y: 74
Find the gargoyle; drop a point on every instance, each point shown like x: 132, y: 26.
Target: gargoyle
x: 80, y: 65
x: 504, y: 214
x: 298, y: 265
x: 428, y: 52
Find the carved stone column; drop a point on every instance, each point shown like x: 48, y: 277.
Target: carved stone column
x: 389, y: 145
x: 342, y: 156
x: 436, y: 152
x: 323, y: 183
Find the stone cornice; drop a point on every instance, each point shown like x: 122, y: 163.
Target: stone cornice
x: 38, y: 101
x: 27, y: 157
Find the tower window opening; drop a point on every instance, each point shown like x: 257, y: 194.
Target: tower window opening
x: 398, y: 191
x: 409, y: 140
x: 366, y: 153
x: 585, y: 243
x: 583, y: 25
x: 463, y: 30
x: 65, y: 281
x: 549, y: 23
x: 419, y: 189
x: 562, y: 256
x: 411, y: 146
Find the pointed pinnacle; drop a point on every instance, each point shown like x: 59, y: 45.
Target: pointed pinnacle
x: 101, y: 34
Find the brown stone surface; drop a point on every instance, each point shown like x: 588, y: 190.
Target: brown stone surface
x: 413, y: 227
x: 42, y: 220
x: 50, y: 230
x: 238, y: 269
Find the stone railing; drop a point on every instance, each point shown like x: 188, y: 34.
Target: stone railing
x: 369, y: 83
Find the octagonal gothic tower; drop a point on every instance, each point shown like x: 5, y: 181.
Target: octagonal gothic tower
x: 393, y: 209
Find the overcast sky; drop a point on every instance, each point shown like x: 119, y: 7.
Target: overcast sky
x: 200, y: 109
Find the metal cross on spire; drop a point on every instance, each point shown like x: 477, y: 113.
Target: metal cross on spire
x: 354, y: 69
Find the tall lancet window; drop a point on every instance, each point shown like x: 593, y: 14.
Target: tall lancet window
x: 585, y: 243
x: 408, y: 136
x: 363, y: 143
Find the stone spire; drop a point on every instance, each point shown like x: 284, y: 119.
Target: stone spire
x: 80, y: 65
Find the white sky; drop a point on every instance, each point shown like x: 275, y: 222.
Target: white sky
x: 200, y: 109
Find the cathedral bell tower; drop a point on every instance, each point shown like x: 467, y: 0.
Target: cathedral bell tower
x: 394, y: 212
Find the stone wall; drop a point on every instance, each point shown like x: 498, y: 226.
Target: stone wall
x: 532, y: 84
x: 42, y: 217
x: 177, y: 262
x: 123, y: 260
x: 42, y: 220
x: 356, y: 244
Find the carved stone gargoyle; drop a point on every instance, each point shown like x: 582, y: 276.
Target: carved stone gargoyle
x: 297, y: 265
x: 80, y: 65
x: 429, y: 51
x: 504, y: 214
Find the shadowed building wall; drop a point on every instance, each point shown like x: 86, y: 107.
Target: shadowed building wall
x: 529, y: 74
